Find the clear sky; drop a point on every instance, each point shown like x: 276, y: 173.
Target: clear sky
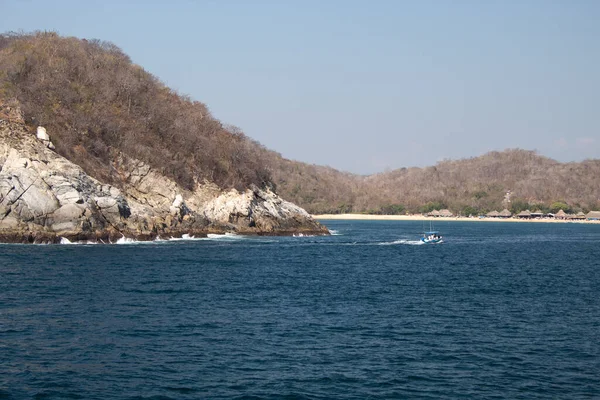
x: 365, y: 86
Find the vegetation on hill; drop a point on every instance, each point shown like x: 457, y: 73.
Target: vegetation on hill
x: 468, y: 187
x: 96, y: 104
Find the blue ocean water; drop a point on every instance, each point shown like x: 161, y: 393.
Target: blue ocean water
x: 499, y: 310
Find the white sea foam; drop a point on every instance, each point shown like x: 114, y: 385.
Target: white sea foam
x: 333, y: 232
x: 130, y: 241
x: 402, y: 241
x: 64, y: 240
x: 302, y: 235
x: 185, y: 237
x: 226, y: 236
x: 125, y: 240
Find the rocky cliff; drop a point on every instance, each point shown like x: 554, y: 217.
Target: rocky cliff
x: 44, y: 197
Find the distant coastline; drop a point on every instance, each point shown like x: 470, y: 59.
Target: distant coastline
x: 419, y: 217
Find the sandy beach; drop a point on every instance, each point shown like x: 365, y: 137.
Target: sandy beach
x: 418, y: 217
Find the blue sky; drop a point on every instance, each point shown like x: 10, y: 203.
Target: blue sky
x: 365, y: 86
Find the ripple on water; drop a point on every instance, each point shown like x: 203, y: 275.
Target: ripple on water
x: 497, y: 311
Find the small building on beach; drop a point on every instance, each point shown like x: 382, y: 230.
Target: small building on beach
x: 593, y: 216
x: 560, y: 215
x: 537, y: 214
x: 446, y: 213
x: 493, y: 214
x: 524, y: 214
x: 434, y: 213
x: 505, y: 213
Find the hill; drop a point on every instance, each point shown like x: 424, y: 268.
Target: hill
x: 98, y: 103
x: 94, y: 148
x: 469, y: 186
x: 101, y: 107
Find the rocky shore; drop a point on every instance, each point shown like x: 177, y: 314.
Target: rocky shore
x: 44, y: 197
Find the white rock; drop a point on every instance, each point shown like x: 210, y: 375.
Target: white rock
x: 178, y: 201
x: 114, y: 192
x: 68, y: 212
x: 105, y: 202
x: 40, y: 190
x: 64, y: 226
x: 33, y: 195
x: 42, y: 134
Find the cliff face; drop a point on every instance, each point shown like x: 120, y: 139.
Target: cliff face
x: 44, y: 197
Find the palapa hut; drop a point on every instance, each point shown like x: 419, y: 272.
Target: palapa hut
x: 524, y: 214
x: 593, y: 216
x: 446, y: 213
x: 505, y: 214
x: 579, y: 215
x: 537, y: 214
x: 434, y: 213
x: 492, y: 214
x: 560, y: 215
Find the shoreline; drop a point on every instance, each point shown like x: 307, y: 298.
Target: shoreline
x: 367, y: 217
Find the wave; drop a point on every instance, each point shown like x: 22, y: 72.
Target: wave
x: 64, y: 240
x: 126, y: 240
x: 184, y: 237
x: 225, y: 236
x: 158, y: 239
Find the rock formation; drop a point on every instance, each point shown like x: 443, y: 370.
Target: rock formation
x: 44, y: 197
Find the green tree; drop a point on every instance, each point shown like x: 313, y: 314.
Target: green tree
x: 432, y: 205
x: 469, y: 210
x: 560, y: 205
x: 519, y: 205
x: 540, y: 206
x: 393, y: 209
x: 344, y: 208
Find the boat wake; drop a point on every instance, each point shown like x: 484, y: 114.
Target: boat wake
x: 403, y: 241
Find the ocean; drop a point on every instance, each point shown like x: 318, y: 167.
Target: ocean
x: 496, y: 311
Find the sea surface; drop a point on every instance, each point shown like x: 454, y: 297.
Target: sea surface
x: 497, y: 311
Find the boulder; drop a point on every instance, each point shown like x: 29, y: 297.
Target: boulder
x: 260, y: 211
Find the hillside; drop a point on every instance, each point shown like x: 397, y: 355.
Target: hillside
x: 100, y: 107
x: 469, y: 186
x: 480, y: 183
x: 93, y: 148
x: 97, y: 103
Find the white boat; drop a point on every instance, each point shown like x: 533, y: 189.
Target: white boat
x: 431, y: 237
